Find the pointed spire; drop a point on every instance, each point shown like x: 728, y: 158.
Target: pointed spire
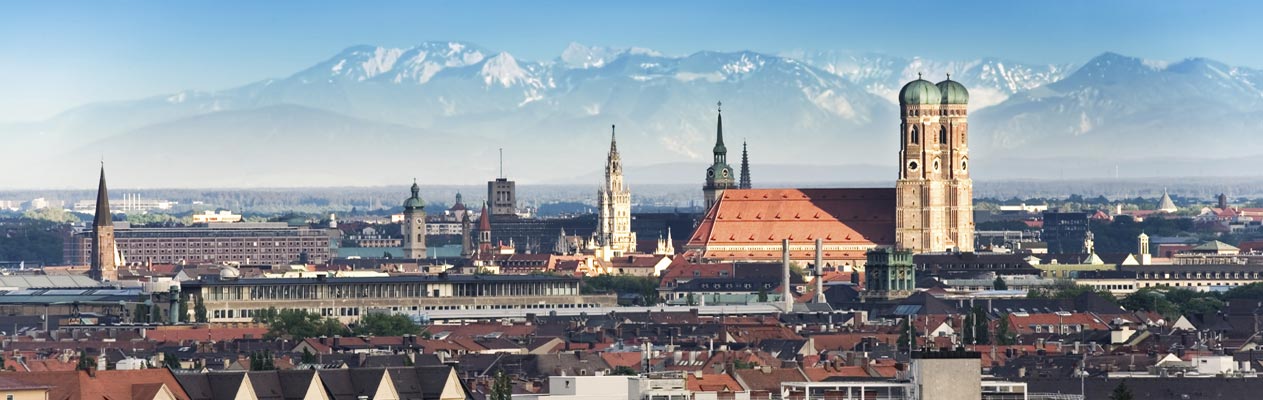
x: 484, y: 222
x: 719, y: 131
x: 613, y: 141
x: 745, y: 167
x: 102, y: 202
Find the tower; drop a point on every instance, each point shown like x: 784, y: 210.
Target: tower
x: 934, y: 194
x: 105, y: 257
x: 745, y: 167
x: 413, y: 227
x: 484, y: 231
x: 889, y: 273
x: 466, y: 243
x: 719, y: 175
x: 614, y: 206
x: 502, y: 193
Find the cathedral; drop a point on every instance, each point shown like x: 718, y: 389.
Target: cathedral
x: 930, y: 209
x: 613, y: 231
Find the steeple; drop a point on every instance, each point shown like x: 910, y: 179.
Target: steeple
x: 102, y: 203
x: 721, y: 151
x: 613, y: 162
x: 745, y: 167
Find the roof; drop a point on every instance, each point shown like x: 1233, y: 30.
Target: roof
x: 763, y: 217
x: 215, y: 281
x: 1165, y: 204
x: 712, y: 383
x: 953, y: 92
x: 103, y: 217
x: 79, y: 385
x: 47, y: 281
x: 1214, y: 245
x: 768, y: 379
x: 919, y: 91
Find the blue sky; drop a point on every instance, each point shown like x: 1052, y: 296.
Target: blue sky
x: 57, y: 55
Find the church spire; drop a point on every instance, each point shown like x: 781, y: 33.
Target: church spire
x: 102, y: 203
x: 745, y: 167
x: 721, y: 151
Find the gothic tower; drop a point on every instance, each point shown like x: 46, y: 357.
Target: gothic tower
x: 484, y: 232
x: 614, y: 205
x: 745, y: 167
x: 414, y: 225
x: 934, y: 200
x: 466, y: 229
x: 105, y: 257
x: 719, y: 175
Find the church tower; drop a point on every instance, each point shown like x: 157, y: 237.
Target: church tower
x: 614, y: 205
x: 745, y: 167
x: 719, y: 175
x: 105, y: 257
x: 934, y: 194
x: 414, y: 225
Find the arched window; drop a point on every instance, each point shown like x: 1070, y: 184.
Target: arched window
x: 942, y: 135
x: 916, y: 138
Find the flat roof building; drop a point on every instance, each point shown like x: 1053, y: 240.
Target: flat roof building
x: 270, y: 243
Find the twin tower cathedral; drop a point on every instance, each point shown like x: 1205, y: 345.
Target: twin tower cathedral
x: 929, y: 210
x: 934, y: 195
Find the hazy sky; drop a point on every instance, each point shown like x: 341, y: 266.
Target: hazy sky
x: 55, y: 55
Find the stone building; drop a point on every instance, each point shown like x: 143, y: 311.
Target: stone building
x: 613, y: 233
x: 413, y: 226
x: 934, y: 210
x: 719, y: 176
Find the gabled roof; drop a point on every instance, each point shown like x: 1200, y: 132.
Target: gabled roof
x: 1215, y: 246
x: 763, y: 217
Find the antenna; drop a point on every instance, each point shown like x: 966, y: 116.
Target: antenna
x: 501, y: 163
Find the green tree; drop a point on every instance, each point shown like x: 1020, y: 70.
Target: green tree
x: 1004, y: 335
x: 199, y: 310
x: 763, y: 295
x: 624, y: 370
x: 140, y: 314
x: 692, y: 300
x: 906, y: 335
x: 300, y: 324
x: 85, y: 362
x: 183, y: 315
x: 308, y: 357
x: 382, y: 324
x: 170, y: 360
x: 502, y: 388
x: 645, y: 287
x: 976, y: 327
x: 1253, y: 291
x: 999, y: 284
x: 1121, y: 392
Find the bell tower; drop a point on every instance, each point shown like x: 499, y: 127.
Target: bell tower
x: 719, y: 176
x: 934, y: 194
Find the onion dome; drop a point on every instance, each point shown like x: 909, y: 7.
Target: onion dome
x: 953, y: 92
x: 919, y: 92
x: 414, y: 202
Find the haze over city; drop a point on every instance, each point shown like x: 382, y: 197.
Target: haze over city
x: 703, y: 200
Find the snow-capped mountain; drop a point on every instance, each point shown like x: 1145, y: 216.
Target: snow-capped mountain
x: 1124, y: 106
x: 990, y: 80
x: 439, y: 111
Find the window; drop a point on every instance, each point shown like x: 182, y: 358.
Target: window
x: 942, y: 135
x: 916, y: 137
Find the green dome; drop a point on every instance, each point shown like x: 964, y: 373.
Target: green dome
x: 414, y: 202
x: 953, y: 92
x: 919, y: 91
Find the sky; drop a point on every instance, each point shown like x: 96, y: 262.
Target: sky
x: 58, y: 55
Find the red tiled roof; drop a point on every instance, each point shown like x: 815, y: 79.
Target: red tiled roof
x: 762, y: 217
x: 203, y: 334
x: 629, y: 359
x: 79, y: 385
x: 817, y: 374
x: 718, y: 383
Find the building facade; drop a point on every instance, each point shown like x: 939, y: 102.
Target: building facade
x: 613, y: 230
x: 934, y: 210
x: 719, y: 175
x: 1066, y: 232
x: 238, y: 300
x: 502, y: 196
x: 413, y: 226
x: 271, y: 243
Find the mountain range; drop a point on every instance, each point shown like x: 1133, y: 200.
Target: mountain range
x: 439, y: 112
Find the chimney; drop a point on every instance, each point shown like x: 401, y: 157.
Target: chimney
x: 820, y: 270
x: 787, y: 293
x: 101, y: 362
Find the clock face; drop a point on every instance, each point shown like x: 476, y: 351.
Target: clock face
x: 725, y: 173
x: 936, y: 166
x: 710, y: 172
x: 964, y: 165
x: 912, y: 165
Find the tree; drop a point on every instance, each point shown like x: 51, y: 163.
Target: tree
x: 85, y: 362
x: 170, y: 360
x: 382, y: 324
x: 999, y: 284
x: 692, y: 300
x: 199, y: 310
x: 1253, y: 291
x: 183, y: 316
x: 308, y: 357
x: 1121, y: 392
x: 904, y: 342
x: 976, y: 327
x: 763, y: 295
x: 624, y: 370
x: 502, y: 388
x: 1004, y: 335
x: 299, y: 324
